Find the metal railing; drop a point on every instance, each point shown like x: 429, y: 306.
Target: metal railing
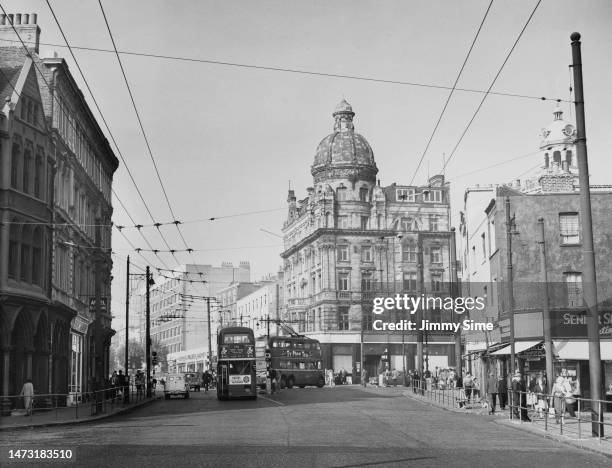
x: 71, y: 406
x: 569, y: 416
x: 572, y: 416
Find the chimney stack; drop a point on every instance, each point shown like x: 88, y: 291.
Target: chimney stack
x: 27, y: 31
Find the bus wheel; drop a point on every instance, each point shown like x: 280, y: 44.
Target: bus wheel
x: 283, y: 382
x: 321, y: 382
x: 290, y: 382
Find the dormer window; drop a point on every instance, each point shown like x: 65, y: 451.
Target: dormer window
x: 432, y: 196
x: 405, y: 195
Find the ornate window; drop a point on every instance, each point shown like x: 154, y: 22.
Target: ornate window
x: 343, y: 253
x: 363, y: 194
x: 409, y: 252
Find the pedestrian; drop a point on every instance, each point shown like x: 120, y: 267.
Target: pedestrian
x: 27, y: 391
x: 121, y: 384
x: 492, y: 390
x: 558, y: 392
x: 394, y: 376
x: 206, y: 379
x: 502, y: 391
x: 519, y: 398
x: 468, y: 384
x: 571, y: 390
x: 364, y: 377
x: 273, y: 380
x: 540, y: 390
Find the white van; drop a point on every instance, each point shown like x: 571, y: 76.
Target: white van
x: 174, y: 384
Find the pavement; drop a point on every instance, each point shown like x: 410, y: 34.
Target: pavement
x: 71, y: 415
x: 574, y: 432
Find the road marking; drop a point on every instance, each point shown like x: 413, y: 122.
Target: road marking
x: 273, y: 401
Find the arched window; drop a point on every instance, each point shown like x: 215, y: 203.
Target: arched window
x: 568, y: 157
x: 39, y: 176
x: 37, y: 263
x: 26, y: 259
x: 15, y: 160
x: 546, y: 160
x: 14, y: 237
x: 27, y: 170
x: 557, y: 157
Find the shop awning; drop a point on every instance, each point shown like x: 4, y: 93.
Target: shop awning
x: 519, y: 347
x: 579, y: 350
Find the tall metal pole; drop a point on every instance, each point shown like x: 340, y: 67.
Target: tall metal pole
x: 509, y: 283
x: 98, y: 343
x: 148, y: 331
x: 419, y: 313
x: 546, y: 305
x: 209, y: 335
x: 588, y: 251
x: 127, y: 325
x: 454, y: 289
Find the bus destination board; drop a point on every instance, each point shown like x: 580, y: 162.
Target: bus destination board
x: 233, y: 351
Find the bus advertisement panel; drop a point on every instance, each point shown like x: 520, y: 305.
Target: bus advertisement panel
x: 236, y: 363
x: 297, y: 361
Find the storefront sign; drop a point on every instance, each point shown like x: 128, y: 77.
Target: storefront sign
x: 80, y: 324
x: 574, y: 324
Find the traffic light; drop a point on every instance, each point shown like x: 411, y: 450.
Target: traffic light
x: 154, y: 358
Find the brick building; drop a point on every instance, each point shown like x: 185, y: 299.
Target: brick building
x: 551, y: 193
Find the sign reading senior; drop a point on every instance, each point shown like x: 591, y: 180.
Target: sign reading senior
x: 412, y: 304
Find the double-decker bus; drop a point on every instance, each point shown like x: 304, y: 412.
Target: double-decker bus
x: 236, y: 363
x: 296, y: 360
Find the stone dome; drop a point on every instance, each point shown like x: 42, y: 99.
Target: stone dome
x: 558, y: 132
x: 344, y: 147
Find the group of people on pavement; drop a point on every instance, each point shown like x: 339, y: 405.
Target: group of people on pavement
x: 534, y: 394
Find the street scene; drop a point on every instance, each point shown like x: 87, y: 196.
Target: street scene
x: 340, y: 426
x: 288, y: 233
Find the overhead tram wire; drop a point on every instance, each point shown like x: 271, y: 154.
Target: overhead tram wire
x: 303, y: 72
x: 29, y: 55
x: 450, y: 95
x: 491, y: 85
x: 105, y: 124
x: 139, y: 230
x: 127, y: 84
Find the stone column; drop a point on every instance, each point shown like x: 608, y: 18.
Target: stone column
x: 28, y: 370
x: 6, y: 404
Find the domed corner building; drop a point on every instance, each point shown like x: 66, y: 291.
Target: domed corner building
x: 350, y: 240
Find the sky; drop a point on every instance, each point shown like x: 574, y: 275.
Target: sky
x: 229, y: 140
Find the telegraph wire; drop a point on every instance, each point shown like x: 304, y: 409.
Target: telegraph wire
x: 304, y: 72
x: 29, y: 55
x: 505, y: 161
x: 142, y: 127
x: 450, y: 95
x: 491, y: 85
x: 103, y: 120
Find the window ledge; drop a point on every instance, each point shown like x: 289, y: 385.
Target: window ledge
x: 578, y: 244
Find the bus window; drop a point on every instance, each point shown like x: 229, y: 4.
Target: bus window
x: 302, y: 365
x: 236, y: 339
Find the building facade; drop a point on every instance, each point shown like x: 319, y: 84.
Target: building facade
x: 180, y: 303
x: 550, y: 194
x: 57, y: 157
x: 352, y: 240
x: 260, y: 310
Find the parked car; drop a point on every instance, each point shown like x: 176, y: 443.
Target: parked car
x: 194, y: 380
x: 174, y: 384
